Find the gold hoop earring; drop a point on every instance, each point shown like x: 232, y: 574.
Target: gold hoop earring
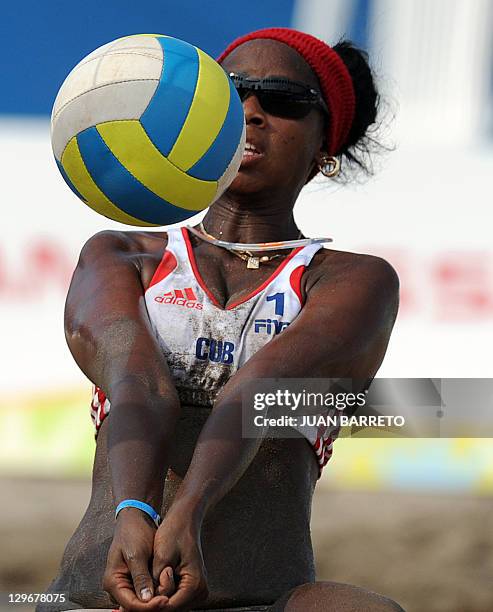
x: 330, y: 166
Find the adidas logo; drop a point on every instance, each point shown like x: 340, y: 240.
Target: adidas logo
x: 181, y: 297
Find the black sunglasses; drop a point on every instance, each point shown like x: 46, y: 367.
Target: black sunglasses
x: 280, y: 97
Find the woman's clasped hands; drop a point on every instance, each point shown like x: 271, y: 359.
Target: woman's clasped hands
x: 149, y: 570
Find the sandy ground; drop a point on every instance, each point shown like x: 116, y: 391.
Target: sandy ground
x: 430, y: 553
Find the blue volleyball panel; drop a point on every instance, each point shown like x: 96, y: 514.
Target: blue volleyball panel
x: 121, y: 187
x: 213, y: 163
x: 68, y: 181
x: 168, y: 109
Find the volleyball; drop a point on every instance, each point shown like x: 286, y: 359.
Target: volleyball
x: 148, y: 130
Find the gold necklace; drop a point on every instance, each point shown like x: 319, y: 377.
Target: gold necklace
x: 253, y: 262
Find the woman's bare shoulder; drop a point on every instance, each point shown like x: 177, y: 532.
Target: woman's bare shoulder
x: 123, y: 252
x: 125, y: 242
x: 335, y: 267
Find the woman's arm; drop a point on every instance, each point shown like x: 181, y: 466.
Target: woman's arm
x: 342, y: 332
x: 110, y: 336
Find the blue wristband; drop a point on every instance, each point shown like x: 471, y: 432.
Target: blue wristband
x: 135, y: 503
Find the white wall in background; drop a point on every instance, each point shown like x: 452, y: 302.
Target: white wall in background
x: 437, y: 58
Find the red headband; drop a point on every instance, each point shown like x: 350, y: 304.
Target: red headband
x: 335, y: 80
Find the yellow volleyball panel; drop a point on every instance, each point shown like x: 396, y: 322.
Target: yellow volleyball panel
x: 206, y: 116
x: 130, y: 144
x: 76, y: 170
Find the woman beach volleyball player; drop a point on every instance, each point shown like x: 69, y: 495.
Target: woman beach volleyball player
x: 170, y: 327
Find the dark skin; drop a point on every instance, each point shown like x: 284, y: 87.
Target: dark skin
x: 218, y: 483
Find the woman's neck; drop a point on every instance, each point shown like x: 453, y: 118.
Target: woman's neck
x: 229, y: 221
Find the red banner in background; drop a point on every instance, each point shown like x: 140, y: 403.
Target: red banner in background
x: 40, y: 266
x: 445, y: 286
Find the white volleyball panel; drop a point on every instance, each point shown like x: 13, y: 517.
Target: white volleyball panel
x: 136, y: 42
x: 138, y: 62
x: 141, y: 43
x: 117, y: 62
x: 114, y: 102
x: 100, y: 51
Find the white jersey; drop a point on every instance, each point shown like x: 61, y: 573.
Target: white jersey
x: 204, y: 343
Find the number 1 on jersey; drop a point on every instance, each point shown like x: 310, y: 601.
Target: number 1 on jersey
x: 279, y: 300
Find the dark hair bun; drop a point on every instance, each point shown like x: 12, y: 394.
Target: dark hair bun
x: 359, y: 143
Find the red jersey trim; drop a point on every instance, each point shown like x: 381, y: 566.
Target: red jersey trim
x: 295, y: 282
x: 167, y: 264
x: 195, y: 270
x: 200, y: 280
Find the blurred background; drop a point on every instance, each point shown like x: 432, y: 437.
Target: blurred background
x: 409, y: 518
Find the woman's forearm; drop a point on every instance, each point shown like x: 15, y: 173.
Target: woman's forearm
x: 141, y: 426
